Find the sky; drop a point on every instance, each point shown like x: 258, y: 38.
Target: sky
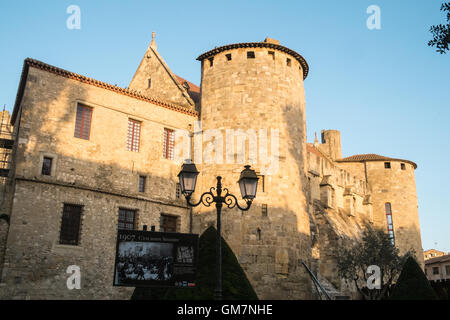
x: 384, y: 89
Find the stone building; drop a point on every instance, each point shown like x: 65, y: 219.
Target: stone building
x: 89, y: 158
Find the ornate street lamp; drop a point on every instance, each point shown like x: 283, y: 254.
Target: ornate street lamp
x: 248, y: 183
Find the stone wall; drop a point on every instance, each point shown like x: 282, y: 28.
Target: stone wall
x: 250, y: 89
x: 100, y: 174
x: 35, y: 262
x: 397, y: 187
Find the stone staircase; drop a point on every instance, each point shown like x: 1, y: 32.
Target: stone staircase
x: 334, y: 293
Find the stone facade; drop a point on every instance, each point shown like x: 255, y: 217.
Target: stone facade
x: 309, y: 199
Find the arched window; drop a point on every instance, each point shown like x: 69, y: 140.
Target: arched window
x: 390, y: 225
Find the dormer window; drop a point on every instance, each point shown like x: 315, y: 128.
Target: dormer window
x: 186, y: 86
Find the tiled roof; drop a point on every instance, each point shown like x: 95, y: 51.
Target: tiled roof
x: 310, y: 148
x: 296, y: 55
x: 438, y: 259
x: 194, y: 90
x: 71, y: 75
x: 372, y: 157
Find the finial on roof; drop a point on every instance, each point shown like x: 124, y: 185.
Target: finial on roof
x: 153, y: 43
x: 316, y: 142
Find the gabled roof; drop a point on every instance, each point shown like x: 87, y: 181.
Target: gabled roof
x: 373, y: 157
x: 75, y: 76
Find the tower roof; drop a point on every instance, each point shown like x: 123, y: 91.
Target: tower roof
x: 373, y: 157
x: 270, y: 45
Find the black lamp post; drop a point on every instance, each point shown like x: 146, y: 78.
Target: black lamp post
x: 248, y: 183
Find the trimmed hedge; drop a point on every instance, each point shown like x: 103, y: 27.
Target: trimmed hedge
x: 235, y: 285
x: 412, y: 284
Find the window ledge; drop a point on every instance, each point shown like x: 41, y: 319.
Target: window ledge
x: 66, y: 248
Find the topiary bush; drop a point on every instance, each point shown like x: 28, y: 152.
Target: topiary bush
x: 412, y: 284
x: 235, y: 285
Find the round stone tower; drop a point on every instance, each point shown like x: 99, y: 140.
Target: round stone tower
x: 394, y: 198
x: 253, y: 92
x: 395, y: 204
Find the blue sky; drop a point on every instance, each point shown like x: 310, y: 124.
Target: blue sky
x: 385, y: 90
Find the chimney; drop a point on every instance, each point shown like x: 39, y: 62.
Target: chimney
x: 270, y: 40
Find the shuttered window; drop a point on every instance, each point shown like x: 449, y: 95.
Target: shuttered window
x: 70, y: 224
x: 168, y: 143
x: 127, y: 219
x: 83, y: 122
x: 134, y: 132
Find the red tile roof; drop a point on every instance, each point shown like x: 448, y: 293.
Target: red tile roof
x: 71, y: 75
x: 194, y: 90
x: 372, y: 157
x: 310, y: 148
x: 443, y: 258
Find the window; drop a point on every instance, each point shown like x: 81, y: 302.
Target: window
x: 178, y: 191
x: 447, y: 270
x: 134, y: 132
x: 272, y: 53
x: 127, y: 219
x: 169, y: 139
x: 390, y: 225
x: 168, y: 223
x: 149, y: 85
x: 288, y: 62
x: 70, y: 224
x: 426, y: 271
x: 435, y: 270
x: 83, y: 122
x: 228, y: 56
x: 47, y: 166
x: 211, y: 62
x: 387, y: 165
x: 402, y: 166
x: 264, y: 210
x: 142, y: 180
x: 250, y: 55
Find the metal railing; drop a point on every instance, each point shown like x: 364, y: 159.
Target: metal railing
x: 317, y: 283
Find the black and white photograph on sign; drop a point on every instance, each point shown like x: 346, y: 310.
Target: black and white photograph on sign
x: 185, y: 254
x: 144, y: 261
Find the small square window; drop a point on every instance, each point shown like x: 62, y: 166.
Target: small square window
x: 228, y: 56
x: 272, y: 53
x: 142, y: 181
x: 387, y: 165
x: 403, y: 166
x: 288, y: 62
x: 250, y: 55
x: 47, y: 166
x: 435, y: 270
